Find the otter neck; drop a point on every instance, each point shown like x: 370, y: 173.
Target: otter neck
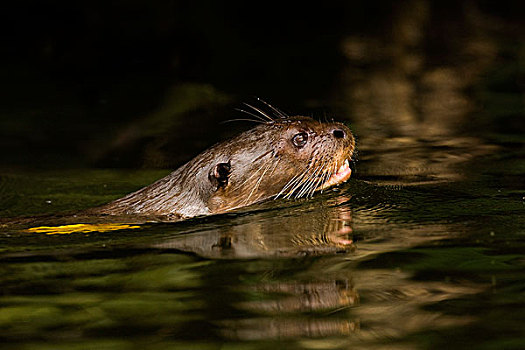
x: 181, y: 194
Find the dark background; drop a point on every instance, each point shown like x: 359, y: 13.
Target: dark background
x: 147, y: 83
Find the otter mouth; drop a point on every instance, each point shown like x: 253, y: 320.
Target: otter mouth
x: 342, y: 175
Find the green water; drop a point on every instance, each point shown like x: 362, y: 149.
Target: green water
x: 424, y: 247
x: 389, y: 260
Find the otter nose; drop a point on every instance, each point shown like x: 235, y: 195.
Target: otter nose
x: 339, y: 133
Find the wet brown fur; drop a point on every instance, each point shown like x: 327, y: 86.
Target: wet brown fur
x: 258, y: 164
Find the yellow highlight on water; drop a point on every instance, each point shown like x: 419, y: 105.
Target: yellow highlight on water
x: 80, y: 228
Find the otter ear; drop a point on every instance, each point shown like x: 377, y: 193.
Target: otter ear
x: 219, y: 174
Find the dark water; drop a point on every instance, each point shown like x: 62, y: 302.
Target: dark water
x: 390, y: 260
x: 424, y: 248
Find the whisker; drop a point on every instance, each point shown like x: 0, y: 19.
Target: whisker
x: 329, y: 174
x: 315, y: 173
x: 258, y: 182
x: 288, y: 184
x: 308, y: 182
x: 297, y: 179
x: 325, y: 175
x: 297, y: 183
x: 325, y: 178
x: 243, y: 120
x: 271, y: 173
x: 276, y: 110
x: 260, y: 111
x: 304, y: 188
x: 276, y: 164
x: 252, y: 114
x: 320, y: 180
x: 255, y: 172
x: 314, y: 184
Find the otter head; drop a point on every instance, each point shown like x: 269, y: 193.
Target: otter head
x: 289, y: 158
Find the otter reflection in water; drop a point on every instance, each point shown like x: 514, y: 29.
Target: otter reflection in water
x: 319, y: 227
x: 289, y: 157
x: 311, y: 230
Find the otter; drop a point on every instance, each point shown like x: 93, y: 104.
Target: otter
x: 282, y: 157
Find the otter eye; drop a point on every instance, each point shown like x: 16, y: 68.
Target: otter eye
x: 300, y: 139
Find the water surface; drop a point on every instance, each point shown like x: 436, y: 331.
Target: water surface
x: 422, y: 249
x: 395, y: 258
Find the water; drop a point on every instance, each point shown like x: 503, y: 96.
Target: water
x: 422, y: 249
x: 392, y: 260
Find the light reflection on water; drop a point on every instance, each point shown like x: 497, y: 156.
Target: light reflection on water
x: 423, y: 248
x: 402, y: 255
x: 348, y: 267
